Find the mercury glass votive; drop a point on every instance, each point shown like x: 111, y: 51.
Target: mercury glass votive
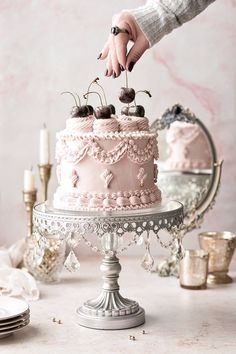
x: 45, y: 257
x: 193, y: 269
x: 220, y: 246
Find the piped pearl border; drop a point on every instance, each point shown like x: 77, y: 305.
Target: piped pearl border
x: 98, y: 201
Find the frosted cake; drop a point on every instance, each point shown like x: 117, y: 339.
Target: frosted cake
x: 106, y: 163
x: 188, y: 147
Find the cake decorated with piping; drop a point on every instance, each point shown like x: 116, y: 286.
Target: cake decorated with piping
x: 106, y: 162
x: 188, y: 147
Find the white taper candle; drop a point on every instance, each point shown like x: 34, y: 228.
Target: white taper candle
x: 44, y: 146
x: 29, y: 181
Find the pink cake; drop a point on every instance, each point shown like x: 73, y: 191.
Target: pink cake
x: 106, y: 164
x: 188, y: 147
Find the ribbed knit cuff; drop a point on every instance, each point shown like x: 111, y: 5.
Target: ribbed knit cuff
x: 159, y: 17
x: 154, y: 21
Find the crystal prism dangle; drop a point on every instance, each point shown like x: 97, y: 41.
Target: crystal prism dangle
x: 179, y: 250
x: 72, y: 263
x: 147, y: 261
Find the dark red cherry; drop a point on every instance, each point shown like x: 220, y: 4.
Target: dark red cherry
x: 112, y: 108
x: 75, y: 112
x: 91, y: 110
x: 80, y: 112
x: 137, y: 111
x: 102, y: 112
x: 125, y: 110
x: 127, y: 95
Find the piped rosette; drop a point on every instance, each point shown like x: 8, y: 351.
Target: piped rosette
x: 142, y: 123
x: 82, y: 124
x: 105, y: 125
x: 127, y: 124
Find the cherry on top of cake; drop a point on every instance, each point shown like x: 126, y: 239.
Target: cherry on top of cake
x: 102, y: 119
x: 79, y: 111
x: 128, y: 95
x: 135, y: 110
x: 105, y: 110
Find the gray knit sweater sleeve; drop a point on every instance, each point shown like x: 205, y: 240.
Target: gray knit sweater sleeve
x: 159, y: 17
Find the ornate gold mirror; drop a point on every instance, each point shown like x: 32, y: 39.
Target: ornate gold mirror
x: 189, y: 170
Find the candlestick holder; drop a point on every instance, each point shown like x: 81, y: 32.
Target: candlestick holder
x: 29, y: 198
x: 45, y: 174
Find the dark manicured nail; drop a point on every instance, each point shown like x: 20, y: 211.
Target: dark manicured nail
x: 122, y: 68
x: 99, y: 56
x: 131, y: 65
x: 106, y: 72
x: 114, y: 75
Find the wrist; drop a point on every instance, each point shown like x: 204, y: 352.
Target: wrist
x: 146, y: 18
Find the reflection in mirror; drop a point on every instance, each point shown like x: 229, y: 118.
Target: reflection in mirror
x: 185, y: 165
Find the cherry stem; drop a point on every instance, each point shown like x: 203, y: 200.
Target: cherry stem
x: 76, y: 103
x: 145, y: 91
x: 104, y: 95
x: 88, y: 93
x: 78, y: 99
x: 89, y: 86
x: 126, y: 79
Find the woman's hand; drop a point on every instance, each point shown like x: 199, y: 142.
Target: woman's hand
x: 115, y: 50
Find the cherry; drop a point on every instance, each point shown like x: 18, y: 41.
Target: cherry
x: 90, y: 108
x: 101, y: 112
x: 136, y: 110
x: 78, y: 110
x: 125, y: 110
x: 112, y: 108
x: 127, y: 95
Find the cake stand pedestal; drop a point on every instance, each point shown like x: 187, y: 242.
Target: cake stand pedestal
x: 110, y: 310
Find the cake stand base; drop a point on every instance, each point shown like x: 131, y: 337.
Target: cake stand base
x: 119, y: 322
x: 110, y: 310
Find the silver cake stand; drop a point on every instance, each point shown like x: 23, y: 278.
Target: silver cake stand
x: 110, y: 310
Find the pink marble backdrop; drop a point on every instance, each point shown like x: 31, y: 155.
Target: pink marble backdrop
x: 50, y: 46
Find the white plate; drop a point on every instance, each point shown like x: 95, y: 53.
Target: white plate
x: 14, y: 319
x: 14, y: 324
x: 12, y: 330
x: 11, y: 307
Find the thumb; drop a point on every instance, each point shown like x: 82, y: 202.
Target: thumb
x: 135, y: 53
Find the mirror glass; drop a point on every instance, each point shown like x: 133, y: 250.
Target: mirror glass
x: 185, y: 163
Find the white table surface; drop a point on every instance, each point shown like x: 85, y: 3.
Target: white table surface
x: 177, y: 320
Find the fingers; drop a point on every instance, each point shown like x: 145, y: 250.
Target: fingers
x: 120, y: 43
x: 115, y: 64
x: 135, y: 53
x: 109, y: 69
x: 115, y: 49
x: 105, y: 51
